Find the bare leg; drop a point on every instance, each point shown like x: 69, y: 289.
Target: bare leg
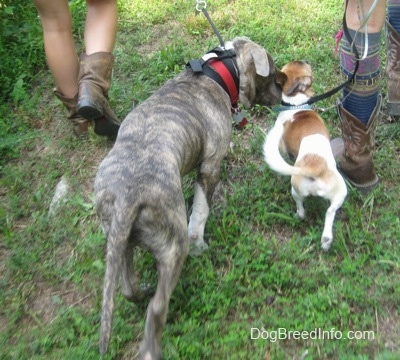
x: 58, y: 43
x: 101, y: 26
x: 355, y: 16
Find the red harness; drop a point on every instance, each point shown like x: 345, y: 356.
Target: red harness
x: 221, y: 67
x: 227, y: 77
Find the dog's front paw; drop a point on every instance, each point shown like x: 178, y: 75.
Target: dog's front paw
x: 197, y: 249
x: 326, y: 243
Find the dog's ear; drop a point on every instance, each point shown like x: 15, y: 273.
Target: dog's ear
x: 252, y: 56
x: 280, y: 78
x: 255, y: 67
x: 259, y: 57
x: 300, y: 84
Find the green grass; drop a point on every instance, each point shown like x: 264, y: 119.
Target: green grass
x: 264, y: 268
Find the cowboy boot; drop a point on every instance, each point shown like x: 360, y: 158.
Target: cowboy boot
x: 393, y: 70
x: 80, y: 124
x: 94, y: 82
x: 354, y: 153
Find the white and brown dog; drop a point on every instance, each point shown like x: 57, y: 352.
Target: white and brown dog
x: 301, y: 132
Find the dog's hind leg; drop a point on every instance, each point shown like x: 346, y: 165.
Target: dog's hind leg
x: 327, y: 234
x: 299, y: 203
x: 130, y: 287
x: 169, y: 265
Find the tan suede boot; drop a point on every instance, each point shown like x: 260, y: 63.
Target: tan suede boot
x: 393, y: 70
x: 354, y: 153
x: 94, y: 82
x: 80, y: 124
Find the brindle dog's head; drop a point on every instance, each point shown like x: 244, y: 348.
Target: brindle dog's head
x: 258, y: 74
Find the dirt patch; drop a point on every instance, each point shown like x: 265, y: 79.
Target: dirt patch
x: 160, y: 37
x: 388, y: 330
x: 46, y: 301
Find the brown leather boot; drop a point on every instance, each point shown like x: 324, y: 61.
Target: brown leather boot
x: 393, y: 70
x: 94, y: 82
x: 354, y: 153
x: 80, y: 124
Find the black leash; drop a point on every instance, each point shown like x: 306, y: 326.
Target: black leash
x: 201, y: 6
x: 349, y: 80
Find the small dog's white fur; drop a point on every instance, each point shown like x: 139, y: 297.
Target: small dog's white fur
x: 302, y: 134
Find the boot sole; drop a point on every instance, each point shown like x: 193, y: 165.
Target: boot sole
x: 102, y: 126
x: 363, y: 189
x: 89, y: 112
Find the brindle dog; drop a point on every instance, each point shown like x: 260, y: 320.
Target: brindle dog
x: 185, y: 125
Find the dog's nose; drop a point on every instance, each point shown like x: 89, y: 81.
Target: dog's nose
x: 305, y: 62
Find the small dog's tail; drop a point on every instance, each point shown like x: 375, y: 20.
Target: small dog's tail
x: 272, y: 155
x: 117, y: 241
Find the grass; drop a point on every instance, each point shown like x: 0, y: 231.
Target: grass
x: 264, y: 268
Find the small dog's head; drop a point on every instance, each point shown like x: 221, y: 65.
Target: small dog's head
x: 296, y: 82
x: 258, y: 83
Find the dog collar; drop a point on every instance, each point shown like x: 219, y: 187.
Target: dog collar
x: 220, y: 65
x: 285, y: 107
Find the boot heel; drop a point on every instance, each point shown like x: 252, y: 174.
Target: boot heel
x: 88, y: 110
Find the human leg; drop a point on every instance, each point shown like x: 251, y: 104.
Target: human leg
x: 359, y: 110
x: 393, y: 57
x: 61, y: 56
x: 96, y: 66
x: 101, y: 26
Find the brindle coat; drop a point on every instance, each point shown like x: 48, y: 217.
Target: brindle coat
x: 185, y: 125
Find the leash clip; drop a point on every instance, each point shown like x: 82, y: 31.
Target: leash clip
x: 239, y: 116
x: 201, y: 4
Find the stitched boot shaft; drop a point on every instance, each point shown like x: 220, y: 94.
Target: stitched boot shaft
x: 393, y: 70
x: 80, y: 124
x: 94, y: 82
x: 359, y: 140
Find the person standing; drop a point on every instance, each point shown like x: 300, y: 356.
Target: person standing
x: 82, y: 83
x: 359, y: 109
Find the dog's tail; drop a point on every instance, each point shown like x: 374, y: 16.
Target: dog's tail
x: 117, y: 242
x: 272, y: 155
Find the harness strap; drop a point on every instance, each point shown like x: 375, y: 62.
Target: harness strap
x: 219, y: 65
x: 232, y: 83
x: 210, y: 72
